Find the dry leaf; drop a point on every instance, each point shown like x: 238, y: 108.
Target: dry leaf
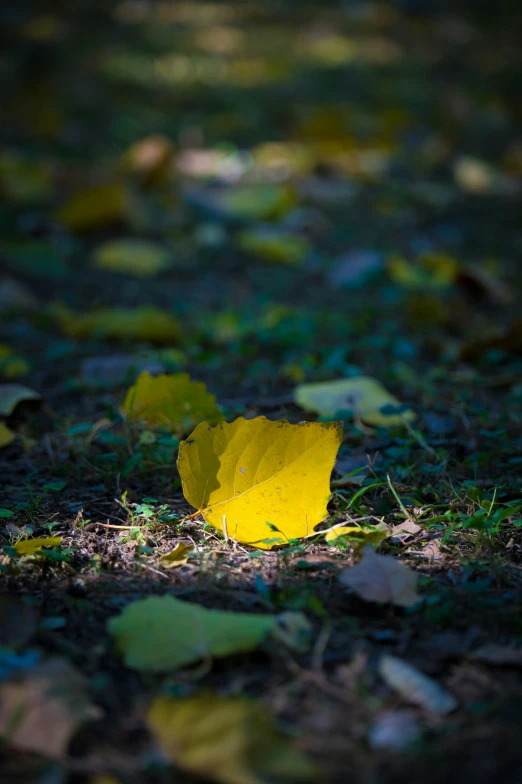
x: 6, y: 435
x: 135, y: 257
x: 162, y: 633
x: 492, y: 653
x: 394, y: 730
x: 177, y: 557
x: 361, y: 397
x: 260, y: 482
x: 96, y: 206
x: 226, y: 739
x: 30, y: 546
x: 42, y: 711
x: 172, y: 402
x: 414, y: 686
x: 13, y: 394
x: 382, y: 579
x: 146, y: 323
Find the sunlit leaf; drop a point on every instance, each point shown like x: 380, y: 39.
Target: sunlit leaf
x: 177, y: 557
x: 135, y: 257
x: 162, y: 633
x: 361, y: 397
x: 96, y: 206
x: 30, y: 546
x: 432, y: 270
x: 172, y: 402
x: 226, y: 739
x: 358, y: 535
x: 260, y: 482
x: 42, y: 711
x: 382, y: 579
x: 13, y: 394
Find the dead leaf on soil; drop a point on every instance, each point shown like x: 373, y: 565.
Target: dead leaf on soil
x: 172, y: 402
x: 405, y: 530
x: 162, y: 633
x: 382, y: 579
x: 414, y: 686
x: 361, y: 397
x: 359, y: 535
x: 177, y: 557
x: 13, y: 394
x: 260, y: 482
x: 226, y: 739
x: 42, y: 711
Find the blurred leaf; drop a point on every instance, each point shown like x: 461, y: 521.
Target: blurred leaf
x: 260, y: 482
x: 15, y: 297
x: 172, y: 402
x: 6, y: 435
x: 24, y: 180
x: 432, y: 270
x: 360, y: 397
x: 414, y: 686
x: 135, y: 257
x: 359, y: 535
x: 11, y: 365
x: 162, y: 633
x: 510, y: 340
x: 42, y: 711
x: 96, y: 206
x: 146, y: 323
x: 151, y: 159
x: 274, y: 245
x: 382, y: 579
x: 12, y: 395
x: 226, y: 739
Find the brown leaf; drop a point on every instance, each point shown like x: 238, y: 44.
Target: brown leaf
x: 382, y: 579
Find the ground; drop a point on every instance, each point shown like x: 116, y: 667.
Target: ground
x: 377, y: 147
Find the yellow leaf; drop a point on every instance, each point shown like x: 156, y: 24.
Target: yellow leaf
x: 274, y: 245
x: 30, y: 546
x: 161, y: 633
x: 177, y: 557
x: 260, y: 482
x: 226, y: 739
x: 146, y: 323
x: 173, y: 402
x: 361, y: 397
x: 431, y: 270
x: 359, y: 535
x: 11, y: 365
x: 13, y: 394
x: 258, y: 202
x: 382, y: 579
x: 135, y: 257
x: 6, y: 435
x: 96, y: 206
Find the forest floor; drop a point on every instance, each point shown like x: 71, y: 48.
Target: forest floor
x: 330, y: 193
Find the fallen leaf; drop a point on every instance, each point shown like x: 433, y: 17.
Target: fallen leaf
x: 361, y: 397
x: 493, y: 653
x: 162, y: 633
x: 177, y: 557
x: 355, y: 268
x: 146, y: 323
x: 135, y: 257
x: 172, y: 402
x: 42, y: 711
x: 382, y: 579
x: 6, y: 435
x: 11, y: 364
x: 474, y: 176
x: 358, y: 535
x: 430, y: 551
x: 394, y: 730
x: 267, y: 201
x: 274, y: 245
x: 150, y: 159
x: 431, y: 270
x: 24, y: 180
x: 18, y: 621
x: 414, y: 686
x: 30, y: 546
x: 260, y: 482
x: 11, y: 395
x: 226, y: 739
x: 96, y: 206
x: 509, y: 340
x: 405, y: 530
